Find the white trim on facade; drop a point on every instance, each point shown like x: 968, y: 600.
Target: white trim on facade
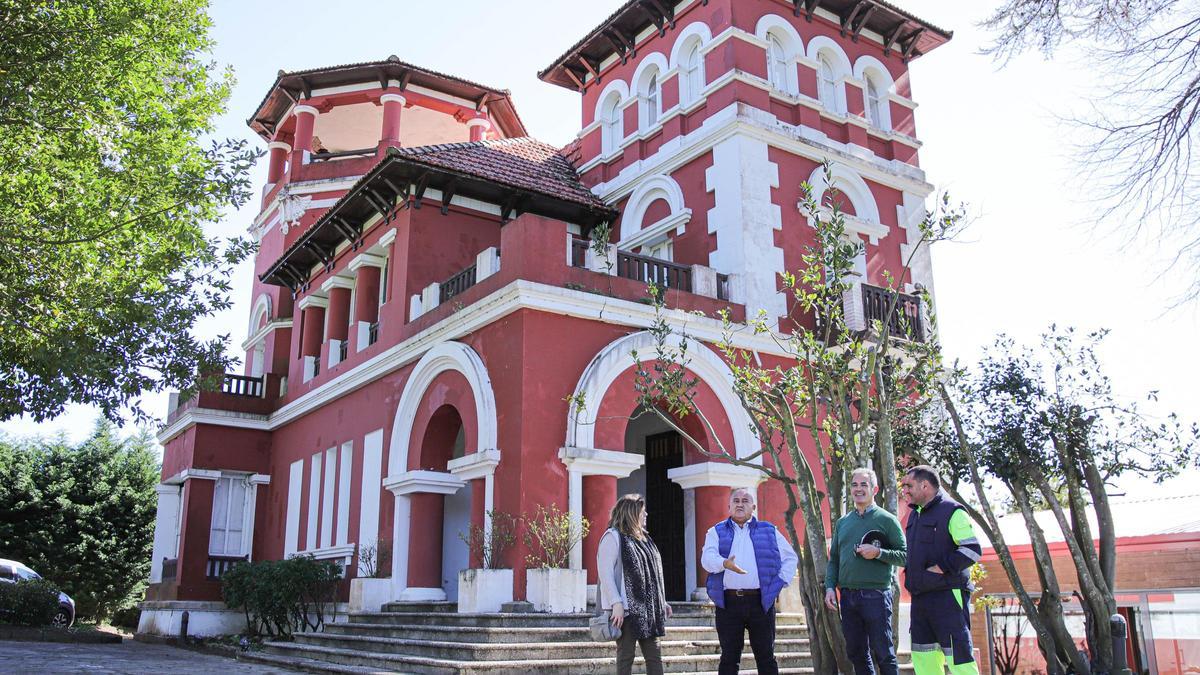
x: 345, y: 464
x: 295, y: 488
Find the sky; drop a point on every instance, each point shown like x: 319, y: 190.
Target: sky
x: 993, y: 137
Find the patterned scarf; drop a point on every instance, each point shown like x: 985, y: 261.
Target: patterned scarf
x: 641, y: 565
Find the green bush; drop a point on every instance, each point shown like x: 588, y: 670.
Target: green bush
x: 127, y: 618
x: 282, y: 596
x: 29, y: 602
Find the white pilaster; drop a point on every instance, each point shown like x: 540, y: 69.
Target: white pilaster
x: 582, y: 462
x: 166, y: 520
x: 745, y: 220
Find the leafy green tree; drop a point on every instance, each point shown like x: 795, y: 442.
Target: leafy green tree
x: 1044, y: 428
x: 82, y: 516
x: 106, y: 184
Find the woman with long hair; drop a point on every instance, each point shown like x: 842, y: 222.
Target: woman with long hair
x: 631, y: 585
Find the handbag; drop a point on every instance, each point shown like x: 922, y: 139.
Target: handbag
x: 602, y: 628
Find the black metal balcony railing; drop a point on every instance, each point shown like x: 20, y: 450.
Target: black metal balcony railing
x: 170, y: 568
x: 218, y: 565
x: 662, y: 273
x: 373, y: 333
x: 905, y: 321
x: 241, y: 385
x: 343, y: 350
x: 456, y: 284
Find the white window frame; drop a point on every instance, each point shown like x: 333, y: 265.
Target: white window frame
x: 247, y: 494
x: 693, y: 73
x: 612, y: 122
x: 652, y: 98
x: 827, y: 90
x: 777, y: 63
x: 874, y: 103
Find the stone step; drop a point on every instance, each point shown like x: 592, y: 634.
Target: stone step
x: 525, y: 619
x: 492, y: 634
x: 691, y: 663
x: 423, y: 607
x: 461, y: 651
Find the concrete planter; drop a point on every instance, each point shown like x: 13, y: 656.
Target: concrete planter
x: 484, y: 590
x: 368, y: 594
x: 556, y: 590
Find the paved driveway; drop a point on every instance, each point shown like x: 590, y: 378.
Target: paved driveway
x: 128, y: 657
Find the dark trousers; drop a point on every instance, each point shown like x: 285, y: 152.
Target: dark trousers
x: 867, y: 624
x: 740, y: 614
x: 650, y: 652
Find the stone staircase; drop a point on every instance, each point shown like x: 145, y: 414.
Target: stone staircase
x: 433, y: 638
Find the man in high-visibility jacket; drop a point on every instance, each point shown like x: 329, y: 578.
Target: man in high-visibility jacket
x: 942, y: 547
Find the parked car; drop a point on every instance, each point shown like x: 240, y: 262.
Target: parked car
x: 12, y: 571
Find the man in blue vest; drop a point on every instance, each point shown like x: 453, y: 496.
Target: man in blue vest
x: 941, y: 550
x: 748, y: 563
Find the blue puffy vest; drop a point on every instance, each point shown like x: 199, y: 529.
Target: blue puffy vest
x: 766, y: 557
x: 930, y: 543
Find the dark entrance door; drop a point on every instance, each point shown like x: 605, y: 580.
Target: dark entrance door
x: 664, y: 508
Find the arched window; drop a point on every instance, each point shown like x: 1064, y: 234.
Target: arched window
x: 692, y: 69
x: 777, y: 63
x: 611, y: 132
x: 828, y: 88
x: 874, y: 105
x: 652, y: 100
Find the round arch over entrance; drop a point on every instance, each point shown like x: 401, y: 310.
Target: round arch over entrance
x: 445, y: 356
x: 618, y: 357
x: 408, y: 486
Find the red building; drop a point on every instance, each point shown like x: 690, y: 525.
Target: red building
x: 426, y: 303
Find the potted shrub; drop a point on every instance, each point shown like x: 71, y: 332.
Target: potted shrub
x: 372, y: 588
x: 550, y: 586
x: 487, y: 588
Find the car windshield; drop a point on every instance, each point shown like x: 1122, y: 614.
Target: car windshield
x: 26, y: 573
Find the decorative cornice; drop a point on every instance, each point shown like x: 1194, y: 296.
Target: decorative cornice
x: 597, y: 462
x: 475, y: 465
x: 422, y: 481
x: 715, y: 474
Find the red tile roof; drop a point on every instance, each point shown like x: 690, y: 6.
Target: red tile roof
x: 524, y: 163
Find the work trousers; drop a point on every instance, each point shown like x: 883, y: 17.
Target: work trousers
x: 650, y: 652
x: 744, y: 613
x: 941, y: 628
x: 867, y: 625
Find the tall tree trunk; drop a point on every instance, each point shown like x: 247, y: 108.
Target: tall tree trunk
x: 1050, y: 602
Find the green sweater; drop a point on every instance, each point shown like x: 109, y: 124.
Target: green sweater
x: 850, y: 570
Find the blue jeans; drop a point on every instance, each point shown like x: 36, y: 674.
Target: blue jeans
x: 867, y: 624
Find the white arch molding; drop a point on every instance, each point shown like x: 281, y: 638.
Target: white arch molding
x: 262, y: 306
x: 849, y: 183
x: 793, y: 47
x: 447, y: 356
x: 635, y: 232
x: 870, y: 70
x: 695, y: 34
x: 617, y: 357
x: 653, y: 65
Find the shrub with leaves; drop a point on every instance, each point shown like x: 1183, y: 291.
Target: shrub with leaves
x: 489, y: 545
x: 280, y: 597
x: 28, y: 602
x: 550, y: 534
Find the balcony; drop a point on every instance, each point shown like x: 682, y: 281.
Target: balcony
x: 865, y: 304
x: 242, y: 385
x: 664, y: 274
x: 218, y: 565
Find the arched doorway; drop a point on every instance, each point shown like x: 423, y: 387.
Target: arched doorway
x: 664, y: 448
x: 445, y: 440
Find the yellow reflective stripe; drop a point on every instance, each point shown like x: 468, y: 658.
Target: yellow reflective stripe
x: 960, y: 528
x: 929, y: 663
x: 958, y: 597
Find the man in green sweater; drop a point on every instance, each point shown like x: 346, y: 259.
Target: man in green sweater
x: 867, y: 546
